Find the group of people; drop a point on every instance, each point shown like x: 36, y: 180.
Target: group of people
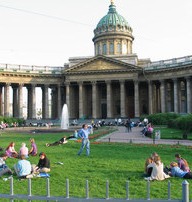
x: 23, y: 168
x: 155, y: 170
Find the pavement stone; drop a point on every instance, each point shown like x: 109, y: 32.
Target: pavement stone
x: 121, y: 135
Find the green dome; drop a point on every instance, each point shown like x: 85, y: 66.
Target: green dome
x: 113, y: 21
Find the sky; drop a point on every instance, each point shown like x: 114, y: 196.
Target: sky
x: 49, y: 32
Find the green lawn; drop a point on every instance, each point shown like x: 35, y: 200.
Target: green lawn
x: 116, y: 162
x: 170, y: 133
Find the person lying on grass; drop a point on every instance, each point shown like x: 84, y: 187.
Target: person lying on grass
x: 175, y: 171
x: 157, y: 170
x: 61, y: 141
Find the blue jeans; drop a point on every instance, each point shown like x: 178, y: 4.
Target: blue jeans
x: 85, y: 143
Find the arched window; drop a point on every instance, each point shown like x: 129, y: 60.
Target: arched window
x: 104, y: 49
x: 119, y: 48
x: 111, y: 48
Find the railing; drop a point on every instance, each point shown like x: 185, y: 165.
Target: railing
x: 30, y: 69
x: 169, y: 63
x: 48, y: 197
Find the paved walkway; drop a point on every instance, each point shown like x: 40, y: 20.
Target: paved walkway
x: 136, y: 137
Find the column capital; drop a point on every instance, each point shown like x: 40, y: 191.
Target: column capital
x: 108, y: 81
x: 122, y: 81
x: 93, y: 82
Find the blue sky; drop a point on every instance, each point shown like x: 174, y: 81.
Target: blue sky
x: 48, y: 32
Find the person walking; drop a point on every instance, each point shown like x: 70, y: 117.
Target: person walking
x: 84, y: 135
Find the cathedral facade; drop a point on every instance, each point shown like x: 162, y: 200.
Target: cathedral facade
x: 113, y: 83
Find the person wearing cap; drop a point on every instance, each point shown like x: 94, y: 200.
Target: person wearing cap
x: 43, y: 165
x: 84, y: 135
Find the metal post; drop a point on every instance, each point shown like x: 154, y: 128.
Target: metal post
x: 107, y: 189
x: 87, y: 189
x: 185, y: 191
x: 48, y: 188
x: 11, y: 188
x: 67, y: 188
x: 127, y: 190
x: 148, y: 190
x: 29, y: 188
x: 169, y: 190
x: 109, y: 139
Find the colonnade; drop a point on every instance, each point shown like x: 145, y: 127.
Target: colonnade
x: 99, y: 99
x: 128, y: 98
x: 51, y: 105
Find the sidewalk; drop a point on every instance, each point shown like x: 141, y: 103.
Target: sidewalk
x: 136, y: 137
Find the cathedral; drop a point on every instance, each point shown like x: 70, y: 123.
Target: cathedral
x: 113, y: 83
x: 116, y: 83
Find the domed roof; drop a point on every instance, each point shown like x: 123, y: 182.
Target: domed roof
x: 113, y: 20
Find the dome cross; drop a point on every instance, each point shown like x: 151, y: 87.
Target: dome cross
x: 112, y: 2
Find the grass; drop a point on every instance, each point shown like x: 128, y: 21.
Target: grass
x: 116, y: 162
x: 171, y: 133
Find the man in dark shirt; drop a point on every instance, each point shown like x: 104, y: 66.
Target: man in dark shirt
x: 61, y: 141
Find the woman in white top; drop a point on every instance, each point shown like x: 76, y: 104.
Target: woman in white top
x: 157, y: 172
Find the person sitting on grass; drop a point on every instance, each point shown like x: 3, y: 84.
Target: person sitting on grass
x: 4, y: 169
x: 33, y: 150
x: 23, y: 150
x: 182, y: 163
x: 157, y: 172
x: 148, y: 161
x: 59, y: 142
x: 175, y: 171
x: 43, y: 165
x: 10, y: 150
x: 73, y: 137
x: 23, y: 168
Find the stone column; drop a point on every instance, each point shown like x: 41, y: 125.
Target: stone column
x: 122, y: 98
x: 150, y: 97
x: 188, y: 80
x: 29, y: 103
x: 136, y: 98
x: 1, y: 102
x: 94, y: 99
x: 162, y: 89
x: 20, y: 100
x: 68, y: 97
x: 7, y: 99
x: 109, y: 107
x: 53, y: 103
x: 81, y: 109
x: 15, y: 101
x: 45, y: 102
x: 175, y: 95
x: 59, y: 108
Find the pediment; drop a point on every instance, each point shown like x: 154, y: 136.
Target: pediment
x: 101, y: 63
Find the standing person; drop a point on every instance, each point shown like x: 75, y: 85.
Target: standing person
x: 10, y: 150
x: 157, y: 172
x: 33, y: 150
x: 182, y: 163
x: 128, y: 125
x: 23, y: 168
x: 3, y: 166
x: 84, y: 135
x: 43, y: 165
x: 23, y: 150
